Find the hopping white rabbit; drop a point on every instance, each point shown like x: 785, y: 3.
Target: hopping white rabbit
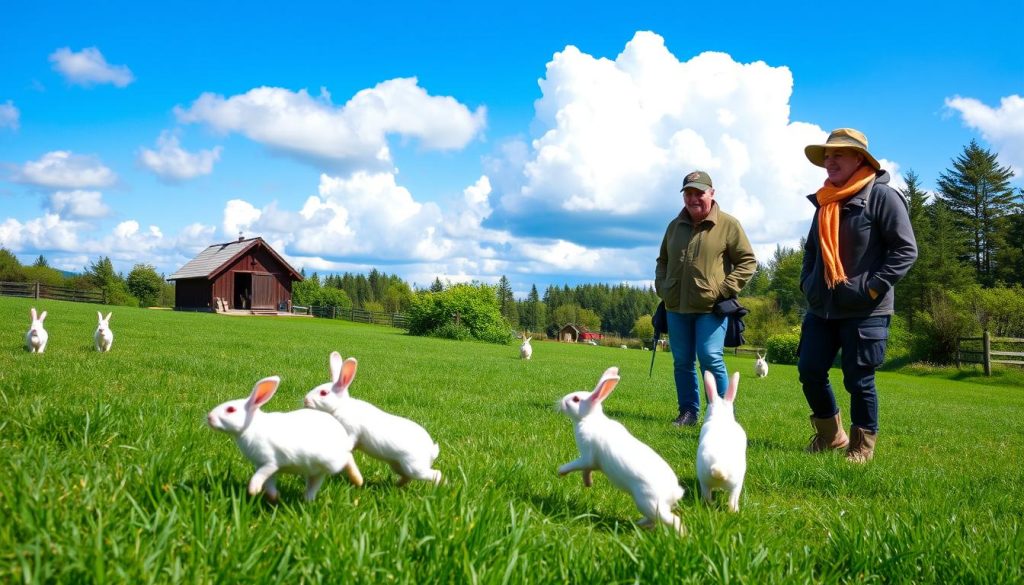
x: 103, y: 337
x: 760, y: 366
x: 630, y: 465
x: 526, y: 350
x: 305, y: 442
x: 401, y: 443
x: 722, y: 448
x: 36, y: 338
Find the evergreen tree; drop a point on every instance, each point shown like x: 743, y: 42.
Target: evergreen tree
x: 41, y: 262
x: 1010, y: 259
x: 436, y: 286
x: 910, y: 294
x: 507, y: 302
x: 977, y: 191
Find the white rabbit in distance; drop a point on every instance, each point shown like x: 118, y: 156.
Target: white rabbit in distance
x: 630, y: 465
x: 36, y: 338
x: 304, y: 442
x: 103, y: 337
x: 401, y: 443
x: 722, y: 447
x: 760, y: 366
x: 526, y: 350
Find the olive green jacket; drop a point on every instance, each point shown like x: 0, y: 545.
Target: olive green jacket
x: 700, y: 265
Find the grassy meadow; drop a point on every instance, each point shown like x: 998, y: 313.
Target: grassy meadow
x: 109, y: 474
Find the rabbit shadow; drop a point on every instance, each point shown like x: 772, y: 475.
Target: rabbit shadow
x: 561, y: 510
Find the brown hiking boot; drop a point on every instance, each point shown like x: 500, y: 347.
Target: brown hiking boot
x: 862, y: 445
x: 828, y: 434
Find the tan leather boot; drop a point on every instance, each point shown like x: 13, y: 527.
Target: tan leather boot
x: 862, y: 445
x: 828, y: 434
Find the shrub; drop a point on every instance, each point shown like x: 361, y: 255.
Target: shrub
x: 782, y: 347
x: 471, y: 306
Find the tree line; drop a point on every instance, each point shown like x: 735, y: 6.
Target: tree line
x: 143, y: 286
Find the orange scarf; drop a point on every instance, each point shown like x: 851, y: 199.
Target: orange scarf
x: 830, y: 199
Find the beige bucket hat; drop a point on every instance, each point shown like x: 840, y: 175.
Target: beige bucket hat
x: 841, y: 138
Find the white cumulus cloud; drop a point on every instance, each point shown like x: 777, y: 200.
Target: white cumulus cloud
x: 172, y: 163
x: 614, y: 138
x: 1001, y: 127
x: 63, y: 169
x: 9, y: 115
x: 89, y: 67
x: 353, y: 135
x: 79, y: 204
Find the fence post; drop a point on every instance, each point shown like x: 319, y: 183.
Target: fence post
x: 988, y: 353
x: 37, y: 289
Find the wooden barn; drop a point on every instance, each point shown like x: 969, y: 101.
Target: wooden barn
x: 246, y: 275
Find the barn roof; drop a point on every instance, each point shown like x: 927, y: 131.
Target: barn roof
x: 210, y: 261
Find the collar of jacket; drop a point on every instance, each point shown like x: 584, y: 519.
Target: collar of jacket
x: 861, y: 198
x: 684, y: 216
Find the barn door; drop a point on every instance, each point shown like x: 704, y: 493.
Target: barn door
x: 263, y: 291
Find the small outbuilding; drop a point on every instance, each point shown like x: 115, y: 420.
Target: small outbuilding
x: 246, y: 274
x: 572, y: 333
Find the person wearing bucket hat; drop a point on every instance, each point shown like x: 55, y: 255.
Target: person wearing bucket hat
x: 705, y: 257
x: 860, y: 244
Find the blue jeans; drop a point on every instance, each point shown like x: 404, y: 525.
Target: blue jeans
x: 696, y: 336
x: 863, y: 344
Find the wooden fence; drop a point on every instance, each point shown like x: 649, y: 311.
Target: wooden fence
x: 985, y: 355
x: 358, y: 315
x: 38, y: 290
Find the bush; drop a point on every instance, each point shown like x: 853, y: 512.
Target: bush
x: 450, y: 330
x: 782, y: 347
x: 470, y: 306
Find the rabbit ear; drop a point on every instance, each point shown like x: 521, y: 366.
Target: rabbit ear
x: 605, y: 385
x: 33, y: 313
x: 734, y: 385
x: 710, y: 387
x: 109, y: 315
x: 262, y: 392
x: 42, y: 316
x: 99, y: 316
x: 348, y: 373
x: 335, y: 366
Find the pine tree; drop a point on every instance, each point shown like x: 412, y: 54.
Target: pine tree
x: 977, y: 191
x: 911, y: 292
x: 507, y: 302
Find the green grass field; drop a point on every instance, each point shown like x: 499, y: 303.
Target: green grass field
x: 108, y: 473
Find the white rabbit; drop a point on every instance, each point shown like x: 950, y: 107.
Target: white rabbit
x: 722, y: 448
x: 399, y: 442
x: 760, y: 366
x: 630, y: 465
x: 526, y: 350
x: 36, y: 338
x: 103, y: 337
x: 304, y: 442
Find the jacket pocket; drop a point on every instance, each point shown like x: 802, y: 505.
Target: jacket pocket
x: 871, y: 343
x: 853, y: 295
x: 702, y: 294
x: 672, y: 294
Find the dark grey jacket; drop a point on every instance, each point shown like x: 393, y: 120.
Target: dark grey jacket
x: 877, y: 249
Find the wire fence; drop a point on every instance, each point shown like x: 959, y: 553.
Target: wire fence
x: 38, y: 290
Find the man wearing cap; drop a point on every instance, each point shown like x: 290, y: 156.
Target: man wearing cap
x: 705, y: 257
x: 859, y: 246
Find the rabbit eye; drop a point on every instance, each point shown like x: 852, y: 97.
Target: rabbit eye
x: 575, y: 398
x: 323, y: 393
x: 231, y: 409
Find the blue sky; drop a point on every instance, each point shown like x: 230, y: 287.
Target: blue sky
x: 464, y: 140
